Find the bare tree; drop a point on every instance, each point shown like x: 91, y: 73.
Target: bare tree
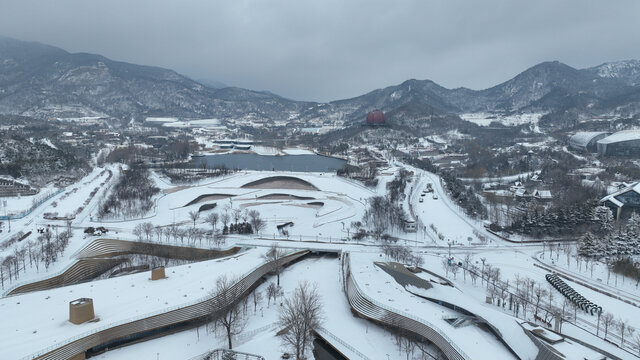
x: 147, y: 229
x: 473, y: 273
x: 272, y: 292
x: 417, y: 261
x: 212, y: 219
x: 301, y: 315
x: 407, y: 345
x: 455, y: 269
x: 539, y: 292
x: 607, y: 321
x: 275, y: 255
x: 257, y: 297
x: 138, y: 231
x: 256, y: 221
x: 194, y: 216
x: 2, y: 271
x: 226, y: 310
x: 446, y: 266
x: 237, y: 213
x: 158, y: 231
x: 630, y: 331
x: 468, y: 260
x: 224, y: 218
x: 622, y: 325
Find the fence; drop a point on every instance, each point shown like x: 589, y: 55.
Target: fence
x: 326, y: 334
x: 33, y: 207
x: 225, y: 354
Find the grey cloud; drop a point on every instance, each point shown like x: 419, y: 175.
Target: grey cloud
x: 326, y: 50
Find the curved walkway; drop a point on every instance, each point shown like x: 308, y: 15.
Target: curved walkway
x: 154, y: 324
x: 371, y: 309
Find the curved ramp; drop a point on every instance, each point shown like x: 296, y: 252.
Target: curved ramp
x: 81, y: 270
x: 282, y: 196
x: 373, y: 310
x: 208, y: 197
x: 155, y: 324
x: 114, y: 247
x: 96, y: 258
x: 370, y: 309
x: 281, y: 182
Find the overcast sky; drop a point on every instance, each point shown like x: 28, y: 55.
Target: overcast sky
x: 332, y: 49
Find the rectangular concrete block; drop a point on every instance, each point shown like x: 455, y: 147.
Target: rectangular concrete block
x: 81, y: 310
x: 157, y: 273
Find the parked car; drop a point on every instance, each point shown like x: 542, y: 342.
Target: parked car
x: 421, y: 200
x: 435, y: 197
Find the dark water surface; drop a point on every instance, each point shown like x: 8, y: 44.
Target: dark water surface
x: 304, y: 163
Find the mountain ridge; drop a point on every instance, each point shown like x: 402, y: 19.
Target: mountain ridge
x: 39, y: 80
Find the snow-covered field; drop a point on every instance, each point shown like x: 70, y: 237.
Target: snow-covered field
x: 370, y: 340
x: 484, y: 119
x: 321, y: 212
x: 37, y: 320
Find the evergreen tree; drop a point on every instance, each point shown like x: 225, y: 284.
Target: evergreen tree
x: 603, y: 216
x: 587, y: 245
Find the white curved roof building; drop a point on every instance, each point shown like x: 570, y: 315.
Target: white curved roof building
x: 586, y: 141
x: 622, y: 143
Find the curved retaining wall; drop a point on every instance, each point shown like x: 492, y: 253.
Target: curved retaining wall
x: 112, y: 247
x: 81, y: 270
x: 370, y: 309
x: 136, y: 329
x: 95, y: 259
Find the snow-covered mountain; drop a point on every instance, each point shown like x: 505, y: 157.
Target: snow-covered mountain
x: 628, y: 71
x: 43, y: 81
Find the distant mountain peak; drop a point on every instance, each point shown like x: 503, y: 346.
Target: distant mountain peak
x: 627, y: 70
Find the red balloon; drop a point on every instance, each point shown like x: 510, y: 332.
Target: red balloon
x: 375, y: 117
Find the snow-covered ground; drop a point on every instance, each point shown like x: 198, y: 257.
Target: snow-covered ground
x: 368, y: 339
x: 320, y: 220
x: 338, y: 201
x: 484, y: 119
x: 37, y: 320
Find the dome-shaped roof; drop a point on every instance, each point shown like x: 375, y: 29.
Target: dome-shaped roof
x: 375, y: 117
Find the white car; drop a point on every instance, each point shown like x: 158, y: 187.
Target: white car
x: 435, y: 197
x: 421, y: 200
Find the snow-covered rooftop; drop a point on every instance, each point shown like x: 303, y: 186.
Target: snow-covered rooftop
x: 612, y: 197
x: 37, y: 320
x: 625, y: 135
x: 582, y: 139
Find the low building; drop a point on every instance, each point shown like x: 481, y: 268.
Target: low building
x: 410, y: 226
x: 623, y: 202
x: 622, y: 143
x: 542, y: 194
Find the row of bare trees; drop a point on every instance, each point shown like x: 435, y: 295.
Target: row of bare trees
x: 43, y: 251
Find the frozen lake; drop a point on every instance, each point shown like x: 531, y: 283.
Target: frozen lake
x: 303, y: 163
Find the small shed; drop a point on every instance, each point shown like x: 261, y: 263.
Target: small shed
x: 81, y: 310
x: 157, y: 273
